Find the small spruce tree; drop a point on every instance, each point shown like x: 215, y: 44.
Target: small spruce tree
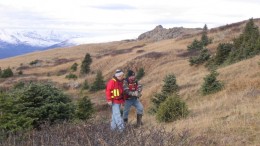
x: 211, y: 84
x: 195, y: 45
x: 170, y: 85
x: 172, y: 109
x: 85, y: 66
x: 222, y: 54
x: 85, y: 85
x: 74, y: 67
x: 205, y: 40
x: 140, y: 73
x: 84, y: 108
x: 99, y: 83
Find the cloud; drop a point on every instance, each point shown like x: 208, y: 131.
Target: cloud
x: 121, y: 17
x: 115, y: 7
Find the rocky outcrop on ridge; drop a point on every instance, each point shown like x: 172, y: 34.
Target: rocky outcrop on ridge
x: 160, y: 33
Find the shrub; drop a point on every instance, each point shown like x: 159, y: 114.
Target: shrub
x: 20, y: 72
x: 7, y: 73
x: 19, y: 85
x: 84, y: 108
x: 32, y: 105
x: 71, y: 76
x: 211, y: 84
x: 98, y: 133
x: 172, y: 109
x: 34, y: 62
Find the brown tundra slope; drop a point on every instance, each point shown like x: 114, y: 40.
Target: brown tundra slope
x: 231, y: 116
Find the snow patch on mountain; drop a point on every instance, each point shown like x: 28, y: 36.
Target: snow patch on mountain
x: 34, y: 38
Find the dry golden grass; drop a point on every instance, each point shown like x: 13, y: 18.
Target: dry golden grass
x: 230, y: 117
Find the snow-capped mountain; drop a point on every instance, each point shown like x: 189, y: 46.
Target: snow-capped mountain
x: 34, y: 38
x: 17, y: 42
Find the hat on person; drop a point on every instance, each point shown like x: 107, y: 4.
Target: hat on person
x: 119, y: 73
x: 130, y: 73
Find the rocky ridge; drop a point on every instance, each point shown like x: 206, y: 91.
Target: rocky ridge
x: 160, y: 33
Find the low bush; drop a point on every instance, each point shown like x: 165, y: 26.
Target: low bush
x: 171, y: 109
x: 71, y: 76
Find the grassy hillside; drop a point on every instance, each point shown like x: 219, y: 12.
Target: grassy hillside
x: 229, y: 117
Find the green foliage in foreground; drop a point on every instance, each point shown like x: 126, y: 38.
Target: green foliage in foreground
x: 34, y: 104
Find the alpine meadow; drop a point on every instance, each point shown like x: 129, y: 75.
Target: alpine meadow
x: 200, y: 87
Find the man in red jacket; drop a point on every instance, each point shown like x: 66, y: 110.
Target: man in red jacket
x: 114, y: 96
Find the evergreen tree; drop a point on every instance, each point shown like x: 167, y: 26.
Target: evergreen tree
x: 195, y: 45
x: 222, y: 54
x: 74, y: 67
x: 211, y: 84
x: 85, y: 85
x: 205, y: 40
x: 140, y: 73
x: 85, y: 108
x: 170, y: 86
x: 172, y: 109
x: 32, y: 105
x: 247, y: 44
x: 0, y: 72
x: 85, y: 66
x: 99, y: 82
x: 156, y: 101
x: 203, y: 56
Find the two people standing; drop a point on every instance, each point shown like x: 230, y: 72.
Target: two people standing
x: 124, y: 91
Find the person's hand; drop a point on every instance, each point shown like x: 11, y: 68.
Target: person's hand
x: 139, y: 88
x: 135, y: 93
x: 109, y: 103
x: 139, y: 94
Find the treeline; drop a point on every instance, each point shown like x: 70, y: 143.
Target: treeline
x: 247, y: 45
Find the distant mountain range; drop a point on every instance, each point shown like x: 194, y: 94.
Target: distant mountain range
x: 18, y: 42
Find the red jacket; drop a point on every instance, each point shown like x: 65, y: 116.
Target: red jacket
x: 114, y: 91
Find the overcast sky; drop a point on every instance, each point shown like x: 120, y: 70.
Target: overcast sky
x: 122, y: 17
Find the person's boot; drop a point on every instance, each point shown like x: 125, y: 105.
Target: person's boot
x: 125, y: 121
x: 139, y: 120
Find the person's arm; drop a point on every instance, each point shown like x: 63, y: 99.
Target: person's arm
x: 109, y: 88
